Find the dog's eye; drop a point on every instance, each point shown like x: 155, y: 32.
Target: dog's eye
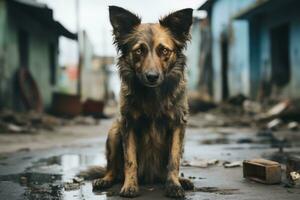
x: 138, y: 51
x: 165, y: 51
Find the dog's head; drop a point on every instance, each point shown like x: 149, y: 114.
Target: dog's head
x: 150, y: 49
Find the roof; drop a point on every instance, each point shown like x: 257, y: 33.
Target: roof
x: 206, y: 5
x: 42, y: 13
x: 260, y: 7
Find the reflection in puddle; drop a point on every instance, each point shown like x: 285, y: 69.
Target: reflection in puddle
x: 45, y: 178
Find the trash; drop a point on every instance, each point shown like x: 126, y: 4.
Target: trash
x: 222, y: 191
x: 294, y: 126
x: 278, y: 108
x: 275, y: 111
x: 263, y: 171
x: 200, y: 163
x: 12, y: 128
x: 68, y: 186
x: 234, y: 164
x: 274, y: 124
x: 78, y: 180
x: 295, y: 176
x: 252, y: 107
x: 27, y: 122
x: 198, y: 103
x: 237, y: 100
x: 293, y: 169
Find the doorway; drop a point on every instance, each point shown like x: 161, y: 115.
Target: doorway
x: 224, y: 66
x: 280, y: 61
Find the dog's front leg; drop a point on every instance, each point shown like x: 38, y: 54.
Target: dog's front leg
x: 130, y: 187
x: 173, y: 186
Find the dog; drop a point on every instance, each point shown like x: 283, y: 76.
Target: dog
x: 145, y: 143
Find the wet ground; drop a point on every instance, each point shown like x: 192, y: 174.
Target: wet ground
x: 37, y: 173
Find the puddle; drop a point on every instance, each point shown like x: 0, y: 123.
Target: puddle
x: 45, y: 177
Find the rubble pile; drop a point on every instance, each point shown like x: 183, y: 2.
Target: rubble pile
x: 32, y: 122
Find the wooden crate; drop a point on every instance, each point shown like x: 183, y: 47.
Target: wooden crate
x: 263, y: 171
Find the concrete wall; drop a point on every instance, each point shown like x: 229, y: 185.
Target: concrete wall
x: 261, y: 47
x: 2, y: 34
x: 40, y: 39
x: 238, y: 33
x: 193, y: 56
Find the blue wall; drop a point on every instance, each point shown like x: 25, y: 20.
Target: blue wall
x: 260, y: 52
x: 238, y: 31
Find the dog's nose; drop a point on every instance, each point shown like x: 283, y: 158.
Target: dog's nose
x: 152, y: 77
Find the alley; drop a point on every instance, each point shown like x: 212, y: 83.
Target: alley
x: 41, y: 172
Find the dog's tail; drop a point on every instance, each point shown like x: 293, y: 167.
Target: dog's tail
x: 92, y: 173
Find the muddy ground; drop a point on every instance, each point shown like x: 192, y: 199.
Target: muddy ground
x: 35, y: 166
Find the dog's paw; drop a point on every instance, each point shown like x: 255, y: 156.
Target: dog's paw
x: 186, y: 184
x: 174, y: 191
x: 129, y: 191
x: 102, y: 183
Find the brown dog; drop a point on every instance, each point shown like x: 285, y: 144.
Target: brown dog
x: 145, y: 144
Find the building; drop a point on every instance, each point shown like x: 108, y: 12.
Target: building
x: 28, y: 40
x: 255, y: 46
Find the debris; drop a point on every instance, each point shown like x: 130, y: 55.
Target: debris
x: 293, y: 169
x: 237, y: 100
x: 12, y: 128
x: 252, y: 107
x: 295, y: 176
x: 234, y: 164
x: 219, y: 140
x: 68, y: 186
x: 263, y: 171
x: 294, y: 126
x: 23, y: 180
x: 222, y: 191
x: 80, y: 120
x: 278, y: 108
x: 245, y: 141
x: 78, y: 180
x: 274, y: 124
x: 198, y: 103
x: 199, y: 163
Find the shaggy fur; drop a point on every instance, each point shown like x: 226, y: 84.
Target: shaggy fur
x: 145, y: 144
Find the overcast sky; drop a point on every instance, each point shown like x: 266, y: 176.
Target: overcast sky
x: 94, y: 19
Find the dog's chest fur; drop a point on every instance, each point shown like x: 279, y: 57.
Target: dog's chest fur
x: 154, y: 117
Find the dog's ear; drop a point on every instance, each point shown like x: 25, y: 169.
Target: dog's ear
x: 179, y: 23
x: 122, y: 20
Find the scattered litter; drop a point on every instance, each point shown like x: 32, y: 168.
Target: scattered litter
x: 78, y: 180
x: 219, y: 140
x: 263, y: 171
x: 199, y: 163
x: 295, y: 176
x: 12, y: 128
x: 68, y: 186
x: 252, y: 107
x: 274, y: 124
x: 74, y: 184
x: 234, y: 164
x: 293, y: 169
x: 23, y: 180
x: 222, y: 191
x: 111, y: 193
x: 294, y: 126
